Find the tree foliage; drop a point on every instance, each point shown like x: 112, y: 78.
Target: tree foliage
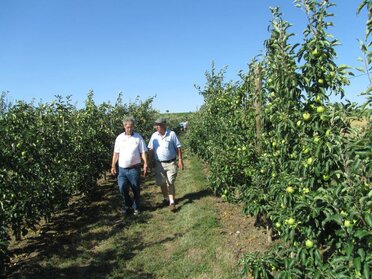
x: 275, y: 142
x: 52, y: 151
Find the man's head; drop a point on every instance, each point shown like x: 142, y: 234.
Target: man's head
x: 160, y: 124
x: 128, y: 124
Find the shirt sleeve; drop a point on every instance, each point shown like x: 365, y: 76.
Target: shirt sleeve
x: 142, y: 145
x: 116, y: 146
x: 150, y: 145
x: 176, y: 141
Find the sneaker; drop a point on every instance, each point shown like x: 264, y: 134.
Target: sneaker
x: 164, y: 203
x: 125, y: 211
x: 172, y: 207
x: 136, y: 212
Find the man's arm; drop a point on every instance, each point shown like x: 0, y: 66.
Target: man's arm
x: 144, y: 158
x: 115, y: 157
x: 180, y: 161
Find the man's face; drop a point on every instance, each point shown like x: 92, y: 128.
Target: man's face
x: 128, y: 128
x: 159, y: 127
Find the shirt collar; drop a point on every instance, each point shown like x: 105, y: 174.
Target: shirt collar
x: 165, y: 134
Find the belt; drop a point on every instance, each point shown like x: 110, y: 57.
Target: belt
x: 133, y: 167
x: 169, y: 161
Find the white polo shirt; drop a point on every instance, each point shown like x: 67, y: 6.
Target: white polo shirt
x: 165, y: 147
x: 130, y: 149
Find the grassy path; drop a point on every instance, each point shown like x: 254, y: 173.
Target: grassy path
x: 91, y: 239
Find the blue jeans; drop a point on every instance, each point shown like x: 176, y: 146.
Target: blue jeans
x: 130, y: 177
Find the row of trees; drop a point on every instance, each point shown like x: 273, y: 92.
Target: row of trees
x: 51, y: 151
x: 275, y: 142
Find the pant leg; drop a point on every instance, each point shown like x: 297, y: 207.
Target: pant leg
x: 134, y: 179
x: 124, y: 184
x: 171, y: 175
x: 160, y: 177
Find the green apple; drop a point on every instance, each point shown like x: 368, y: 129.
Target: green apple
x: 316, y: 139
x: 306, y: 116
x: 320, y: 109
x: 290, y: 221
x: 347, y: 224
x: 290, y: 189
x: 309, y: 243
x: 305, y: 190
x: 315, y: 52
x: 325, y: 177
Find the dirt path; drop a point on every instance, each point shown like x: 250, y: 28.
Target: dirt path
x: 91, y: 239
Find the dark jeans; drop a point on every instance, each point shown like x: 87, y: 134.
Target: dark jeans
x: 130, y: 177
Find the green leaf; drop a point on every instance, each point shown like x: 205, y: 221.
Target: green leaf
x: 343, y: 67
x: 360, y: 69
x: 361, y: 253
x: 366, y: 270
x: 368, y: 218
x: 336, y: 218
x: 360, y: 7
x: 357, y: 263
x: 362, y: 233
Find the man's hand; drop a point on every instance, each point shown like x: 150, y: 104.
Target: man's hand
x: 180, y: 164
x: 144, y: 169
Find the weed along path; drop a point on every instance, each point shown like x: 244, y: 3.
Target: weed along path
x: 91, y: 239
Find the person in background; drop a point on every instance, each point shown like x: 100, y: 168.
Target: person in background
x: 185, y: 125
x: 181, y: 125
x: 129, y: 149
x: 164, y: 148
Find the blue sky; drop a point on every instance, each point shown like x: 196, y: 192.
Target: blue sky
x: 146, y: 48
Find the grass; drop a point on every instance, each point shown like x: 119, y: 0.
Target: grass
x: 93, y: 239
x: 181, y: 245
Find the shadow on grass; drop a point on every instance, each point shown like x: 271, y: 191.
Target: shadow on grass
x: 72, y: 244
x: 191, y: 197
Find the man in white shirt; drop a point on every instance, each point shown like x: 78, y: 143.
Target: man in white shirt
x: 165, y: 148
x: 129, y: 149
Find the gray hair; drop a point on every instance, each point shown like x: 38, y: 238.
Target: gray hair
x: 129, y: 119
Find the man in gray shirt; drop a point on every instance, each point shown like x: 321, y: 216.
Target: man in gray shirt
x: 165, y: 147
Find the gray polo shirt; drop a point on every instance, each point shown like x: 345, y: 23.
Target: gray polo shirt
x: 165, y: 147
